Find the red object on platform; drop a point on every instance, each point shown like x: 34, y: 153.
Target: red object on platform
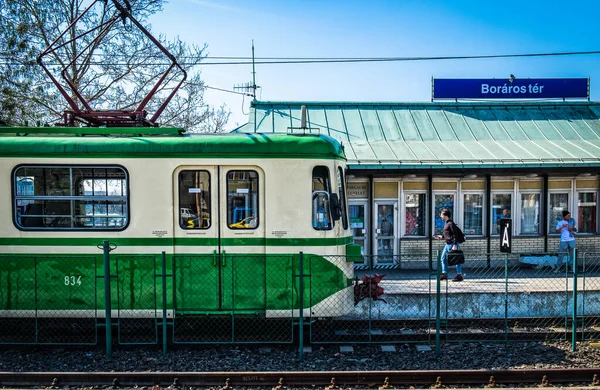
x: 368, y: 288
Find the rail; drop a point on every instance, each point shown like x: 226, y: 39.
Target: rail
x: 381, y: 379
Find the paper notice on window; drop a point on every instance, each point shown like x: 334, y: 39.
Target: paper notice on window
x: 242, y: 191
x: 195, y: 190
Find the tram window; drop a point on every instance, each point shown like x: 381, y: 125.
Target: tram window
x: 342, y: 192
x: 321, y: 192
x: 76, y: 198
x: 242, y: 200
x: 194, y: 199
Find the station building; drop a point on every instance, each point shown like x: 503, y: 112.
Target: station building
x: 482, y: 160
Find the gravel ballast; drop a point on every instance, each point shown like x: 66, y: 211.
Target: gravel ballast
x: 285, y: 358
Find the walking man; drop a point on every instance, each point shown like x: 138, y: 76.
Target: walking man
x: 567, y: 229
x: 451, y: 244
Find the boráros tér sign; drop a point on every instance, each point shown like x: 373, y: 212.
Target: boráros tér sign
x: 512, y: 88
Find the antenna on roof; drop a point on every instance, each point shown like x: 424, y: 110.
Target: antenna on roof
x: 249, y: 88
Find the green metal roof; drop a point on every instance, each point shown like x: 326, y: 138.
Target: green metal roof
x: 200, y: 146
x: 446, y: 135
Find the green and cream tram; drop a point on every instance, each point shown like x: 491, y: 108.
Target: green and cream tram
x: 231, y: 212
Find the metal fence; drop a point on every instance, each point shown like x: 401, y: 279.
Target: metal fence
x: 225, y: 299
x: 277, y: 298
x: 403, y: 313
x: 48, y: 300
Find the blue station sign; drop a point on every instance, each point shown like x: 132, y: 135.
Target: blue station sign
x: 511, y: 88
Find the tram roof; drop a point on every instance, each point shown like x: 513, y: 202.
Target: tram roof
x: 189, y: 146
x: 455, y: 135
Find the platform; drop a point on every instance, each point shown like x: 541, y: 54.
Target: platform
x: 484, y: 293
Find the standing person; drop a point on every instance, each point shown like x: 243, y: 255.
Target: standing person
x: 505, y: 214
x: 387, y: 230
x: 567, y: 229
x: 451, y: 244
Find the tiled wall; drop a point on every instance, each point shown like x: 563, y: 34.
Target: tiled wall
x: 414, y: 252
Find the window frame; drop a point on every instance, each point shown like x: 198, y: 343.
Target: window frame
x: 462, y: 213
x: 455, y: 212
x: 341, y: 175
x: 257, y: 217
x: 71, y: 197
x: 520, y: 207
x: 210, y: 200
x: 328, y: 190
x: 552, y: 225
x: 512, y: 207
x: 403, y: 234
x: 577, y: 211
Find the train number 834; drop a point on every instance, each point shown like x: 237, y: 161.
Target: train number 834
x: 73, y: 280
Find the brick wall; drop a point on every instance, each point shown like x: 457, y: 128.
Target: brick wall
x: 414, y: 253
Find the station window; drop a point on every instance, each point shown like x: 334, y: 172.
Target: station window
x: 473, y: 214
x: 194, y: 199
x: 501, y: 208
x: 70, y: 197
x: 242, y: 199
x: 442, y: 201
x: 414, y: 214
x: 530, y: 213
x: 587, y: 212
x: 321, y: 190
x: 342, y: 192
x: 558, y: 202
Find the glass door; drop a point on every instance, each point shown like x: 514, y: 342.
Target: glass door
x: 243, y: 264
x: 385, y: 231
x: 359, y: 224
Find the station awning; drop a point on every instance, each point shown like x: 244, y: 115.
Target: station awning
x: 455, y: 135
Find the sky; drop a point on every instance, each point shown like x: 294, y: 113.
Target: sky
x: 374, y: 28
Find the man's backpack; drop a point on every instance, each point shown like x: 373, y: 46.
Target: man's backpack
x: 459, y: 235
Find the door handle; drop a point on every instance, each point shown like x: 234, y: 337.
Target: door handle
x: 223, y: 261
x: 215, y: 258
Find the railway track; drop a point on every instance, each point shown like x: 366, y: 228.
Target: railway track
x: 322, y: 331
x: 367, y: 379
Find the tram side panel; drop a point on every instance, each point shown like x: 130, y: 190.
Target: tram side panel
x: 292, y: 229
x: 152, y: 229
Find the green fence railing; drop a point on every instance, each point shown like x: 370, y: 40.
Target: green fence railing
x: 279, y: 298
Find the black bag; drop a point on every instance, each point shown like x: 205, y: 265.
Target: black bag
x: 459, y: 235
x: 455, y: 257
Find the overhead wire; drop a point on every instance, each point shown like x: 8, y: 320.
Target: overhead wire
x: 325, y: 60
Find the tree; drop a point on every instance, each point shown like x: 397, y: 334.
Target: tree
x: 115, y: 73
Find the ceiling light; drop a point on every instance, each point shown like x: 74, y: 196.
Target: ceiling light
x: 470, y: 176
x: 411, y: 176
x: 531, y: 175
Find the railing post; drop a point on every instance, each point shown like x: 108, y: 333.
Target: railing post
x: 438, y: 304
x: 164, y: 301
x: 506, y: 297
x: 301, y: 307
x: 574, y: 318
x: 106, y: 248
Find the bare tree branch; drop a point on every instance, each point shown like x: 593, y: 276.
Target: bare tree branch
x: 116, y: 73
